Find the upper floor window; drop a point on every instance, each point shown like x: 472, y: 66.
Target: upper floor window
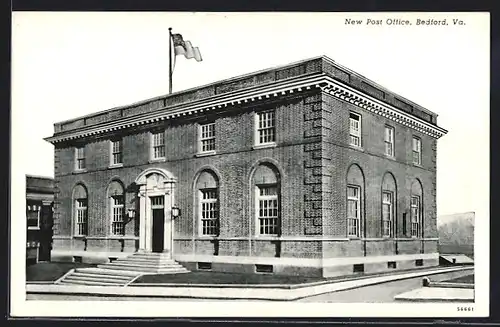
x: 389, y: 141
x: 417, y: 151
x: 116, y: 152
x: 158, y: 145
x: 80, y: 158
x: 355, y: 129
x: 207, y: 137
x: 33, y: 215
x: 266, y: 128
x: 387, y: 214
x: 415, y: 216
x: 353, y: 211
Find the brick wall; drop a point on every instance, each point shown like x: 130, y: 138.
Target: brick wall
x: 374, y: 164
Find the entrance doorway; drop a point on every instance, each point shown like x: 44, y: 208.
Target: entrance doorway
x: 158, y: 229
x: 158, y: 216
x: 156, y: 195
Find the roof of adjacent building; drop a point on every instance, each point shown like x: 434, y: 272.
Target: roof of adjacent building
x: 319, y: 71
x: 39, y: 184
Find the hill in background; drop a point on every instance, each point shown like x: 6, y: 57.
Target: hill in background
x: 456, y: 233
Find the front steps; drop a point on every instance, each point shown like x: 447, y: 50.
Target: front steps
x: 121, y: 272
x: 146, y: 263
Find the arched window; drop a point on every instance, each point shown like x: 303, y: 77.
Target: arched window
x: 80, y: 203
x: 266, y: 186
x: 416, y: 209
x: 207, y: 189
x: 116, y: 198
x: 388, y: 205
x: 355, y: 191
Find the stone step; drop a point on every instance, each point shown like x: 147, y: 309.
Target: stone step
x: 146, y: 260
x: 135, y: 264
x: 102, y: 277
x: 95, y: 278
x: 143, y: 269
x: 138, y: 267
x: 108, y: 271
x: 89, y: 283
x: 150, y: 254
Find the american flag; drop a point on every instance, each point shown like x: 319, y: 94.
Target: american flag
x: 185, y: 48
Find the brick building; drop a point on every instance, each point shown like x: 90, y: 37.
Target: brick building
x: 39, y: 207
x: 307, y: 168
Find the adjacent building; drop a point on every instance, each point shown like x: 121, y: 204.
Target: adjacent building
x: 308, y: 168
x: 39, y: 211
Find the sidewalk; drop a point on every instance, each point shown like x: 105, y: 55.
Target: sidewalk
x: 437, y: 294
x: 228, y: 293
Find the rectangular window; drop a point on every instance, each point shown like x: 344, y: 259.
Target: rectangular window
x: 116, y: 152
x: 387, y: 214
x: 207, y: 137
x: 415, y: 216
x: 33, y: 216
x: 266, y: 130
x: 268, y: 209
x: 355, y: 129
x: 209, y: 211
x: 117, y: 212
x: 353, y: 211
x: 389, y: 141
x: 81, y: 217
x: 80, y: 158
x: 417, y: 151
x: 158, y: 145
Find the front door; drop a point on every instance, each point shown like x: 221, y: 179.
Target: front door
x: 158, y: 229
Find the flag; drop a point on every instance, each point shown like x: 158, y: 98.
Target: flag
x: 185, y: 48
x: 178, y: 46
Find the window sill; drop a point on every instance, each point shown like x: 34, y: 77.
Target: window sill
x: 207, y: 237
x: 157, y: 160
x: 357, y: 148
x: 264, y: 146
x: 205, y: 154
x: 417, y: 165
x: 267, y: 238
x: 120, y: 165
x: 390, y: 157
x: 116, y: 237
x: 79, y: 171
x: 33, y: 228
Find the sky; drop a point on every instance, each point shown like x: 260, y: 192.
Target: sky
x: 65, y: 65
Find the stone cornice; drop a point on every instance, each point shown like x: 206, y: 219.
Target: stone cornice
x: 255, y: 95
x: 367, y: 102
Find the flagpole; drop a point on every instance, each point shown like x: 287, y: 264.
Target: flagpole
x: 170, y: 60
